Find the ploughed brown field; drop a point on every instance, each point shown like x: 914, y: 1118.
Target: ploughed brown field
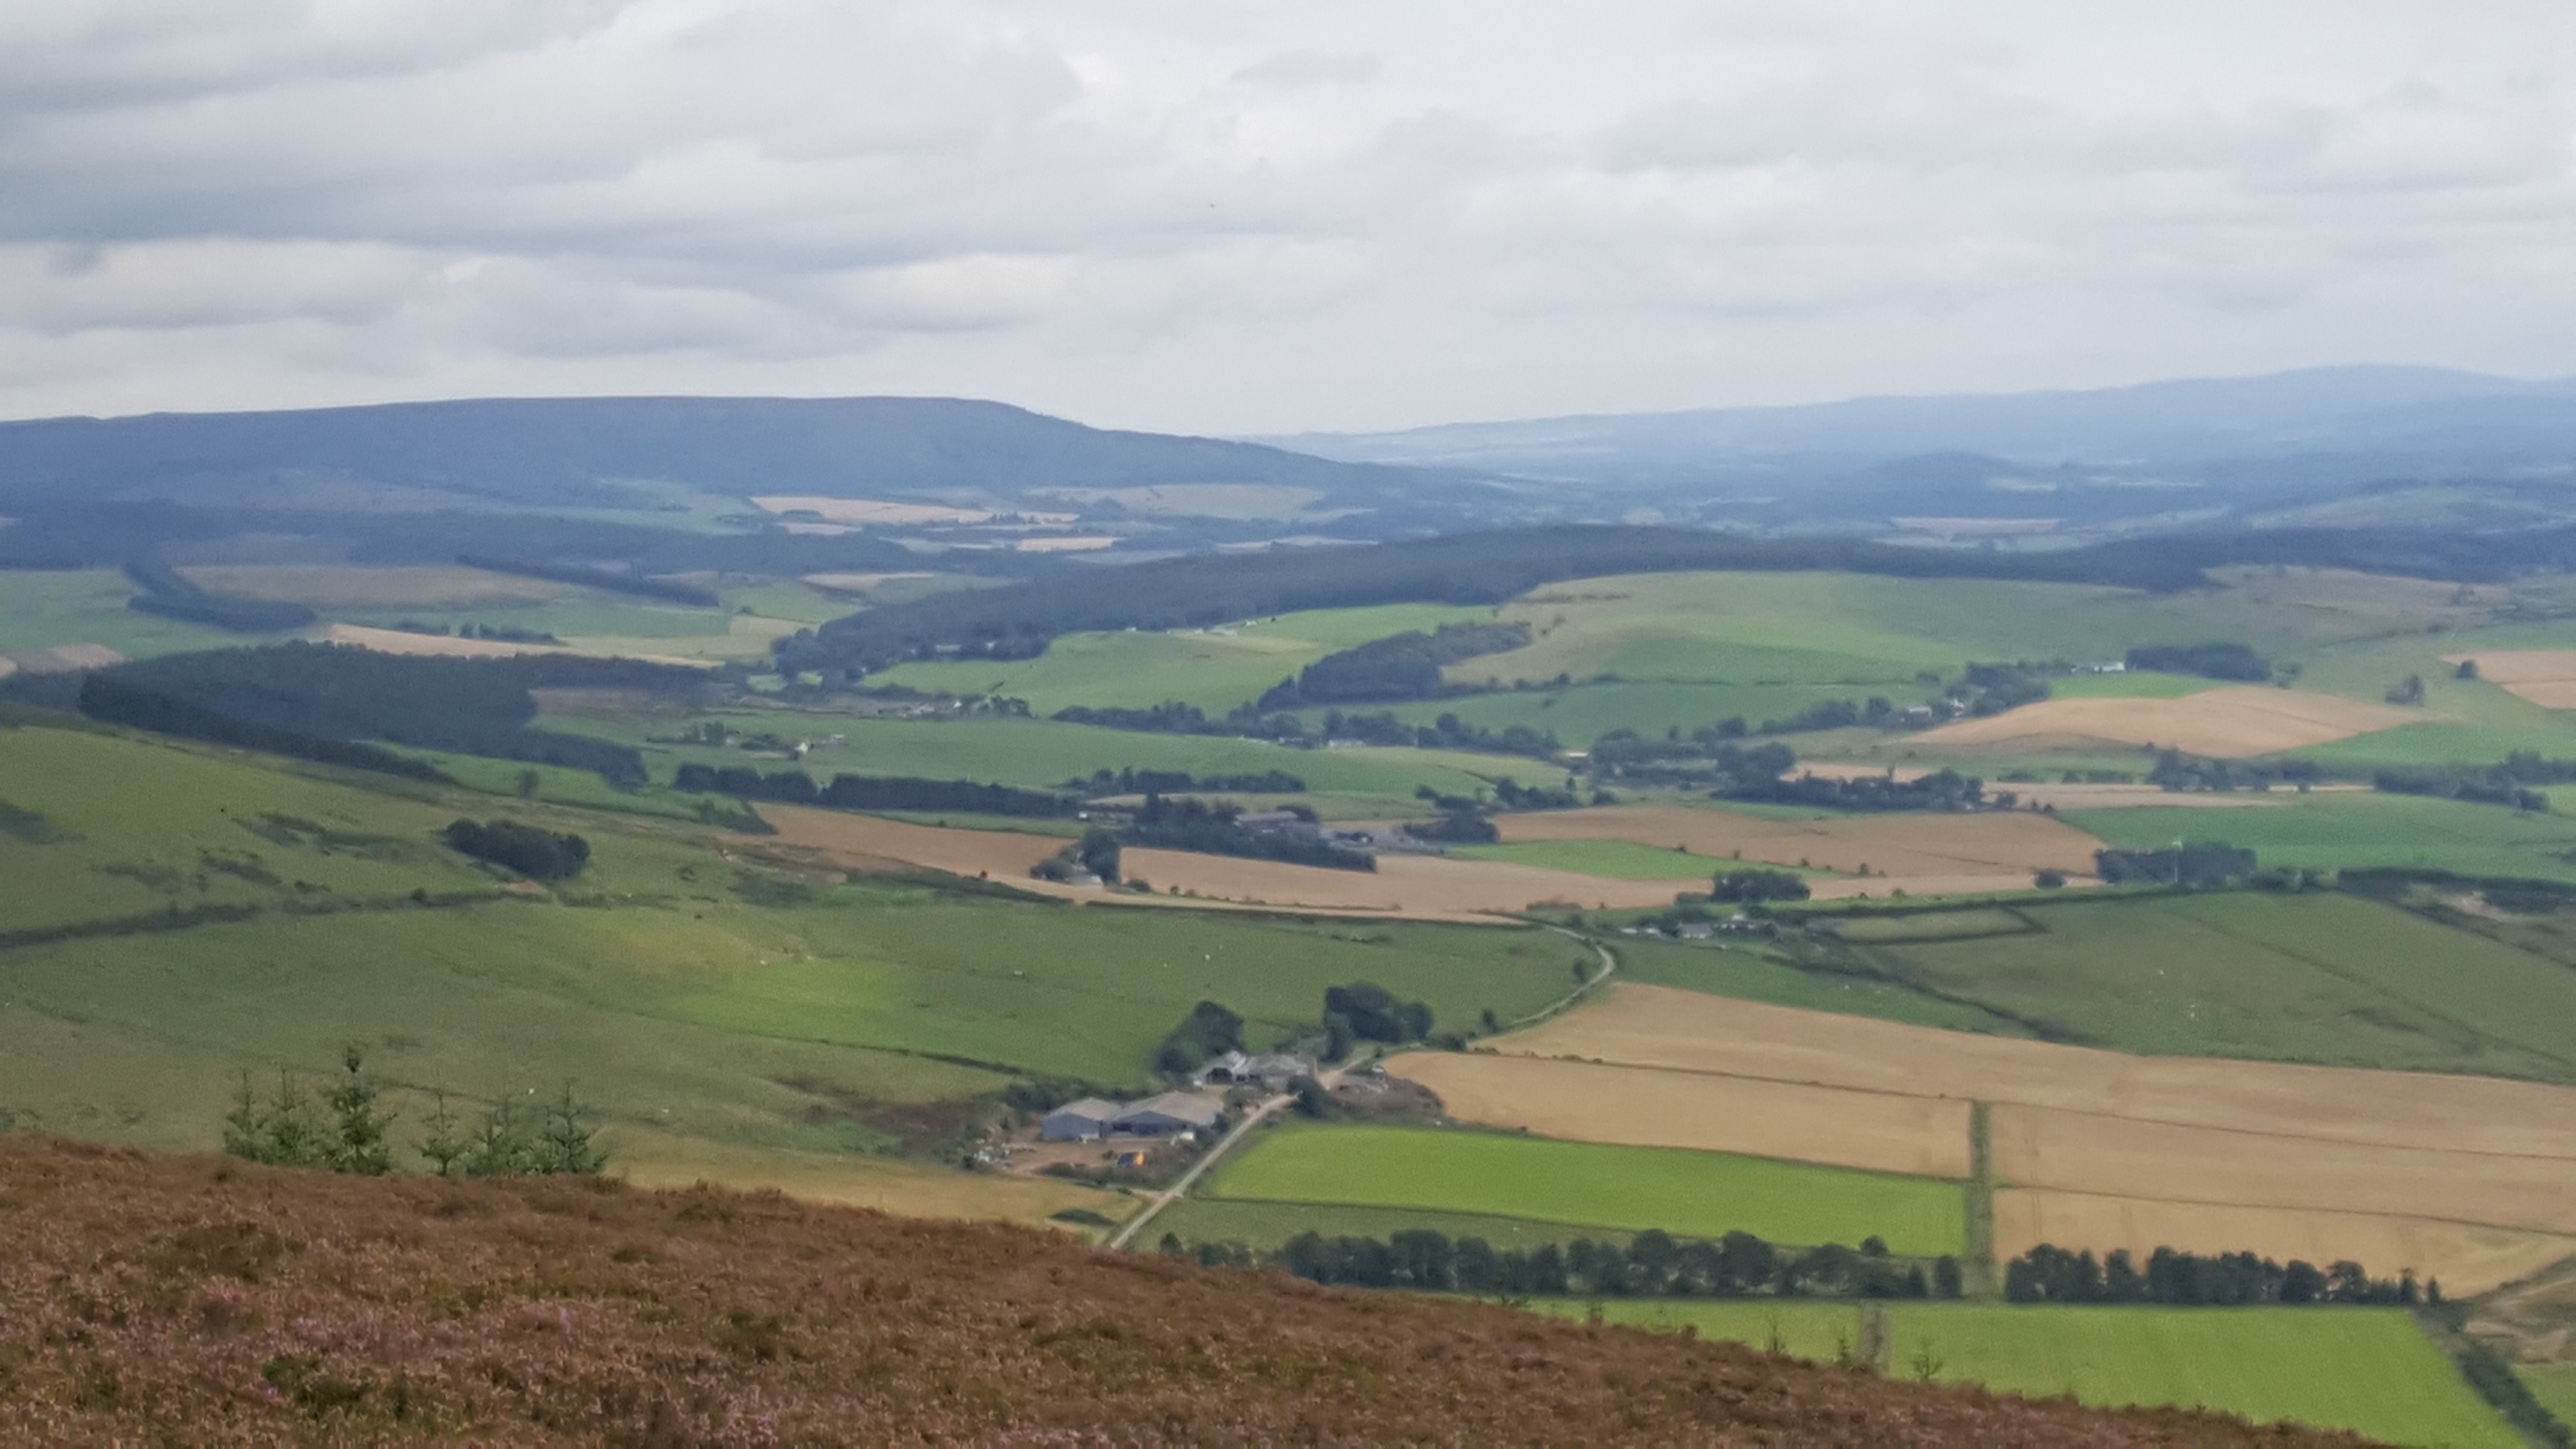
x: 201, y: 1301
x: 2468, y: 1178
x: 2232, y: 723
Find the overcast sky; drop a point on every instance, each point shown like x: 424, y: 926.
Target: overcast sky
x: 1223, y: 216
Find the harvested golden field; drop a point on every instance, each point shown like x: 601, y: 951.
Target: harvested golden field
x: 1429, y: 888
x: 355, y: 586
x: 202, y: 1301
x: 2480, y: 1173
x: 869, y: 510
x: 1648, y: 1107
x: 2004, y: 844
x: 2467, y: 1258
x: 400, y: 641
x: 660, y: 1160
x: 2229, y: 723
x: 1695, y: 1032
x: 2546, y: 677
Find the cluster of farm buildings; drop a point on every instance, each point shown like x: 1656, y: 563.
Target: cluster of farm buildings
x: 1172, y: 1114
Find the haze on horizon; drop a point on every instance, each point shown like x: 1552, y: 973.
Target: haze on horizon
x: 1267, y: 218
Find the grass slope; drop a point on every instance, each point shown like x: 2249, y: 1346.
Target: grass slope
x: 1699, y: 1194
x: 2369, y: 1370
x: 2338, y: 829
x: 2320, y: 977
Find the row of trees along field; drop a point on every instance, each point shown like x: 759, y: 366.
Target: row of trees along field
x: 1654, y: 1264
x: 343, y: 1128
x: 1448, y: 732
x: 873, y: 792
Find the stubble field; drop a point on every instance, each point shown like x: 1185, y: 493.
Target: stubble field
x: 2091, y: 1149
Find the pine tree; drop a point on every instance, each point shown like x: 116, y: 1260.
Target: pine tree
x: 243, y: 1136
x: 439, y: 1144
x: 565, y: 1146
x: 288, y: 1136
x: 357, y: 1142
x: 500, y: 1147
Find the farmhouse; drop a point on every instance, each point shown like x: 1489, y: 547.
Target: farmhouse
x: 1273, y: 1070
x: 1080, y: 1121
x: 1168, y: 1115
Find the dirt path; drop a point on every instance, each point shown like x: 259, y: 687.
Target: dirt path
x: 1161, y: 1200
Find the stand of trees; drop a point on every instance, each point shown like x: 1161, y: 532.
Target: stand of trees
x: 2217, y: 660
x: 2182, y: 773
x: 1366, y: 1011
x: 534, y: 853
x: 2050, y: 1274
x: 1755, y: 886
x: 1095, y: 853
x: 1209, y: 1029
x: 295, y: 697
x: 2193, y: 865
x: 2507, y: 784
x: 1400, y: 666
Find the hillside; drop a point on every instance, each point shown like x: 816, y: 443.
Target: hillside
x: 147, y: 1297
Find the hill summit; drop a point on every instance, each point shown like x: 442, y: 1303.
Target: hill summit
x: 202, y: 1300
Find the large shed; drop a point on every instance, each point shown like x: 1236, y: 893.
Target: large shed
x: 1169, y: 1115
x: 1082, y: 1120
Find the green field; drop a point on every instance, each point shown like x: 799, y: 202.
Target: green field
x: 2370, y: 1370
x: 1215, y: 669
x: 1754, y: 973
x: 682, y: 987
x: 2554, y: 1385
x: 40, y: 608
x: 1616, y: 859
x: 2358, y: 828
x: 1695, y: 1194
x: 2317, y: 977
x: 1045, y: 754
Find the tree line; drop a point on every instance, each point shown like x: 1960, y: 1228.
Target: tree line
x: 1400, y: 666
x: 1653, y: 1264
x: 873, y: 792
x: 1177, y: 782
x: 2192, y: 865
x: 1195, y: 825
x: 2214, y: 660
x: 2050, y: 1274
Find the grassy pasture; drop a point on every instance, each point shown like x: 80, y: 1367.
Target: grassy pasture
x: 40, y: 608
x: 2319, y: 977
x: 2370, y: 1370
x: 1753, y: 974
x: 1703, y: 1194
x: 1043, y: 753
x: 1583, y: 713
x: 1215, y: 669
x: 683, y: 990
x: 2554, y: 1385
x: 2338, y: 829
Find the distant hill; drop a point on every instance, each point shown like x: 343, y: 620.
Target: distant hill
x: 206, y: 1301
x: 586, y: 451
x: 2164, y: 452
